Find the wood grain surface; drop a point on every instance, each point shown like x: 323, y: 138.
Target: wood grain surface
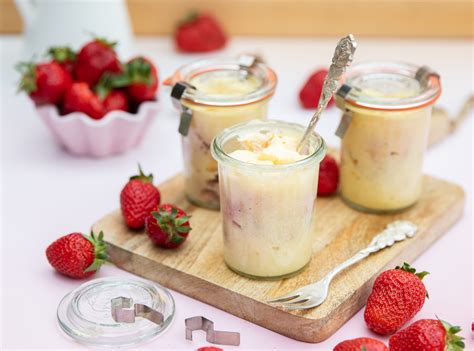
x: 197, y: 269
x: 401, y: 18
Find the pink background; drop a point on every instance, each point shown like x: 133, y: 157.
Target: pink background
x: 47, y: 192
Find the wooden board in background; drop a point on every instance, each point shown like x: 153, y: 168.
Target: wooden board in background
x: 197, y: 268
x: 401, y: 18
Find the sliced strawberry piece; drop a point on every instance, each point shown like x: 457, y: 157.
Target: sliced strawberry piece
x: 143, y: 78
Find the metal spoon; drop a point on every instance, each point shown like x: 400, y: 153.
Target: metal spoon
x: 343, y: 56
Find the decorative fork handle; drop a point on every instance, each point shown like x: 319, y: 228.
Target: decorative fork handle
x: 393, y: 232
x: 343, y: 56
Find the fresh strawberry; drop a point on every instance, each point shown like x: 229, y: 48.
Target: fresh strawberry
x: 115, y: 100
x: 199, y: 33
x: 427, y: 335
x: 311, y: 91
x: 398, y: 294
x: 328, y: 176
x: 94, y: 59
x: 139, y: 79
x: 64, y: 56
x: 359, y: 344
x: 45, y: 83
x: 210, y: 348
x: 138, y: 198
x: 143, y: 78
x: 167, y: 226
x: 77, y: 255
x: 80, y: 98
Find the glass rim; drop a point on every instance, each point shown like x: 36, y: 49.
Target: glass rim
x: 426, y: 97
x: 189, y: 71
x: 221, y: 156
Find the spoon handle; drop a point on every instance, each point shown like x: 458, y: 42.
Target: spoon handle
x: 343, y: 56
x: 394, y: 232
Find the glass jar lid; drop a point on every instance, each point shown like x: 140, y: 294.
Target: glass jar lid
x: 225, y: 81
x: 85, y: 314
x: 390, y: 86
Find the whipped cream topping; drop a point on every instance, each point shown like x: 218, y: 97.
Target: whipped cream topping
x: 268, y: 149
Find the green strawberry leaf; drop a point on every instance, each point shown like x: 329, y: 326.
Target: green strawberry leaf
x: 142, y: 176
x: 453, y: 342
x: 100, y: 251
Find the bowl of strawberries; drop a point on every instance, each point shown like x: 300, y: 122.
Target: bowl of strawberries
x: 94, y: 104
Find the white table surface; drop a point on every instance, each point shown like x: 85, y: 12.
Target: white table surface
x: 47, y: 193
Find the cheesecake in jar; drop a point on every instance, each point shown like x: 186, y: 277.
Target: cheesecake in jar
x: 268, y: 193
x: 385, y: 127
x: 214, y: 94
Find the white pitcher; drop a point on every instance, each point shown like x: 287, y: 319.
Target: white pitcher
x: 73, y: 22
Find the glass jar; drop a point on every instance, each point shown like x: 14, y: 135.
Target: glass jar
x: 213, y: 94
x: 384, y: 131
x: 267, y: 209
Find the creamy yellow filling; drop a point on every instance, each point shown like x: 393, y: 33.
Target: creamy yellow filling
x: 226, y: 83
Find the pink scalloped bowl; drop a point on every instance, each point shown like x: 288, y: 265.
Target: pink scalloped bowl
x: 115, y: 133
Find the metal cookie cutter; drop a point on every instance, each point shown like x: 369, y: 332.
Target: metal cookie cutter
x: 124, y: 311
x: 212, y: 336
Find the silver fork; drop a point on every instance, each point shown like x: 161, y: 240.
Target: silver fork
x: 313, y: 295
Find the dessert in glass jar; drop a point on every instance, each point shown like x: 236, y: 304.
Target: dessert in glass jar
x: 384, y: 134
x: 268, y: 193
x: 214, y: 94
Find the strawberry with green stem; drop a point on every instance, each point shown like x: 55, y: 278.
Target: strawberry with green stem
x: 45, y: 83
x: 138, y: 198
x: 64, y: 56
x: 77, y: 255
x: 139, y: 79
x: 94, y: 59
x: 167, y: 226
x: 427, y: 334
x: 397, y: 296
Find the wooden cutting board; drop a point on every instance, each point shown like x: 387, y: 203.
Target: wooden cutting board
x: 197, y: 268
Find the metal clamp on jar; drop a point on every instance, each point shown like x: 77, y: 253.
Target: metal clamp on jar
x: 211, y: 95
x: 384, y: 132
